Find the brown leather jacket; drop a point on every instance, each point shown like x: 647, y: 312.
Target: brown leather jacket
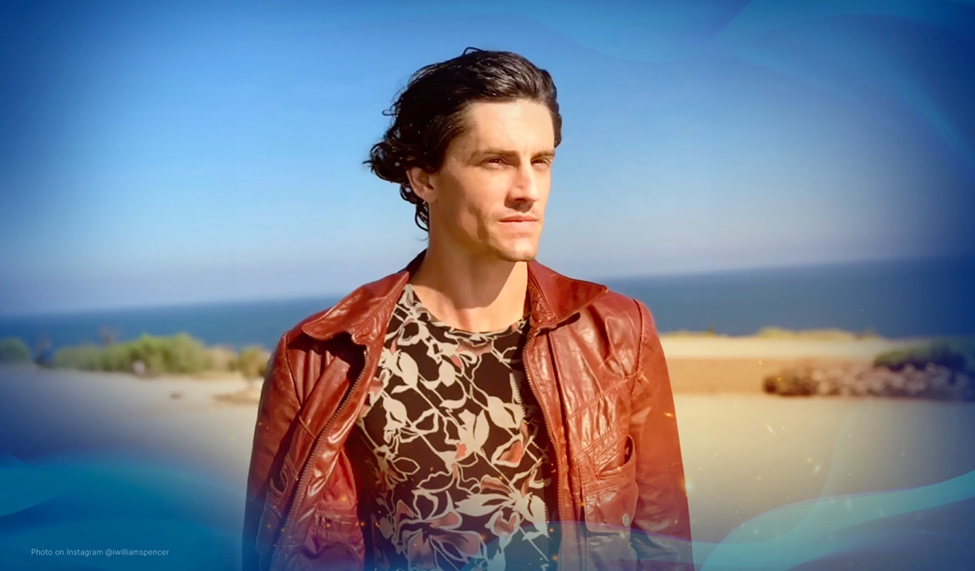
x: 594, y: 360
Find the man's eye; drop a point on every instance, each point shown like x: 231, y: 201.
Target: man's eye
x: 501, y: 161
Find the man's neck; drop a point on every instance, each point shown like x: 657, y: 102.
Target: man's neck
x: 472, y: 294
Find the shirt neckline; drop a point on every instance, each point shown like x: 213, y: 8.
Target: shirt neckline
x: 414, y: 299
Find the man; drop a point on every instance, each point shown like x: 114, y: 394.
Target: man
x: 475, y: 410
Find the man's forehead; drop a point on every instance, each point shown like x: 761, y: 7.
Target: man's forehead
x: 486, y: 114
x: 491, y: 131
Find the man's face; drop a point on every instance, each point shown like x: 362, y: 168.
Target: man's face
x: 499, y: 169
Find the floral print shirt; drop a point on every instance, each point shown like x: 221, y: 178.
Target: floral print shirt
x: 451, y: 452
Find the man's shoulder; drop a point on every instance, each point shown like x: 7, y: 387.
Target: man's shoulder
x: 618, y: 319
x: 336, y: 317
x: 619, y: 306
x: 595, y: 297
x: 297, y: 330
x: 614, y: 301
x: 612, y: 325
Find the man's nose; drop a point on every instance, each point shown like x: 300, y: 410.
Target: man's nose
x: 527, y: 182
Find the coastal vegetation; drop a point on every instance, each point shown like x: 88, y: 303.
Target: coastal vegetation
x: 815, y: 334
x: 942, y: 369
x: 251, y: 362
x: 179, y: 354
x: 13, y: 350
x: 956, y: 354
x: 149, y: 355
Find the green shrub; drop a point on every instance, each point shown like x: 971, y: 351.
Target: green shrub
x: 179, y: 354
x: 957, y: 354
x: 794, y: 381
x: 85, y: 357
x: 807, y: 334
x: 252, y: 361
x: 13, y: 350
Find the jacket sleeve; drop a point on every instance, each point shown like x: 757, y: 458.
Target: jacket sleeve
x: 275, y: 415
x: 661, y: 527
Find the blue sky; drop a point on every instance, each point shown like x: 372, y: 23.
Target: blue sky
x: 166, y: 153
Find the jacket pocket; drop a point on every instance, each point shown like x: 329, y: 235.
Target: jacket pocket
x: 334, y: 537
x: 278, y: 485
x: 273, y: 513
x: 332, y: 525
x: 610, y: 504
x: 610, y: 499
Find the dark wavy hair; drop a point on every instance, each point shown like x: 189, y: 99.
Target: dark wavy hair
x: 430, y: 112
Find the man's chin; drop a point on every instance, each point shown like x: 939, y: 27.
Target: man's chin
x: 517, y: 255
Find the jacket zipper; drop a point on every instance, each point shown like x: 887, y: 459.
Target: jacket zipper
x: 311, y: 459
x: 548, y: 426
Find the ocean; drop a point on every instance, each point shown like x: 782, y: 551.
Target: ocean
x: 897, y: 299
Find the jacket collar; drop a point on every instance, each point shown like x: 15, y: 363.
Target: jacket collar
x: 365, y: 312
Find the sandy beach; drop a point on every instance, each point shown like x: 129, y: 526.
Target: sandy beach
x: 751, y: 459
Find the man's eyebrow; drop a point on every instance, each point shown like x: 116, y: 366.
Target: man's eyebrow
x: 504, y: 153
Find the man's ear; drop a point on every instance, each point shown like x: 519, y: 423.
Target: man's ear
x: 422, y: 183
